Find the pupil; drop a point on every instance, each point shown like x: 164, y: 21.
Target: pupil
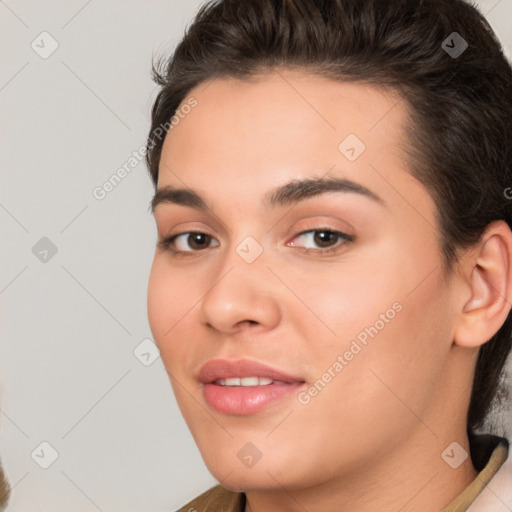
x: 197, y: 238
x: 323, y: 238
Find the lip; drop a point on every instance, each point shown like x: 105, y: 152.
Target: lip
x: 224, y: 368
x: 244, y: 400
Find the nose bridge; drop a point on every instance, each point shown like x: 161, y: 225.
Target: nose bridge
x: 241, y: 290
x: 245, y: 256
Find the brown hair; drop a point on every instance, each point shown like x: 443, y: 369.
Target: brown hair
x: 459, y: 142
x: 4, y: 490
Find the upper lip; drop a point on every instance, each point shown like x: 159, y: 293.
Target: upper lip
x: 224, y: 369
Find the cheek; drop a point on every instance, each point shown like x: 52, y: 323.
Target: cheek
x: 174, y: 296
x: 167, y: 308
x: 390, y: 322
x: 168, y: 303
x: 159, y: 301
x: 376, y: 398
x: 337, y: 302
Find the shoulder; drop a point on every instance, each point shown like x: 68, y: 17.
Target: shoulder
x: 216, y: 499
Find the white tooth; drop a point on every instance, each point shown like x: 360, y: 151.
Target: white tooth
x: 249, y: 381
x: 246, y: 381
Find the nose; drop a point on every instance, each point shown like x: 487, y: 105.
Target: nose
x: 241, y: 295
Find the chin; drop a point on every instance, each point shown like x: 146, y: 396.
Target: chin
x: 238, y: 475
x: 246, y: 480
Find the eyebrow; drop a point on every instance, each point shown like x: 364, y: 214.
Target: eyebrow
x: 289, y: 193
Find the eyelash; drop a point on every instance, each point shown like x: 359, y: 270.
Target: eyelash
x: 166, y: 243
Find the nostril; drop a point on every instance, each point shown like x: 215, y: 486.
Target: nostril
x: 248, y: 322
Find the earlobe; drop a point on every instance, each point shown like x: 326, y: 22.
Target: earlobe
x: 490, y: 283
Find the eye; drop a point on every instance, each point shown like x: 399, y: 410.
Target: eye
x: 325, y: 239
x: 191, y: 241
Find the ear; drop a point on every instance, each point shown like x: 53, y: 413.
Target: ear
x: 487, y: 272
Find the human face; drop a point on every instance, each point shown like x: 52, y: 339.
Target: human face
x: 374, y: 300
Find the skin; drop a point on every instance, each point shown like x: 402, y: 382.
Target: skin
x: 372, y: 439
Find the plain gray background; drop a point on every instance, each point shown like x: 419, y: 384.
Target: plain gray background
x: 72, y: 320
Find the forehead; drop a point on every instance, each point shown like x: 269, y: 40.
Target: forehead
x: 288, y: 114
x: 247, y: 136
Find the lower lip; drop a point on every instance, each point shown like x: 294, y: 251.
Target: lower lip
x: 244, y: 400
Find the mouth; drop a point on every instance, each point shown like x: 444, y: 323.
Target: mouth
x: 247, y: 381
x: 245, y: 387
